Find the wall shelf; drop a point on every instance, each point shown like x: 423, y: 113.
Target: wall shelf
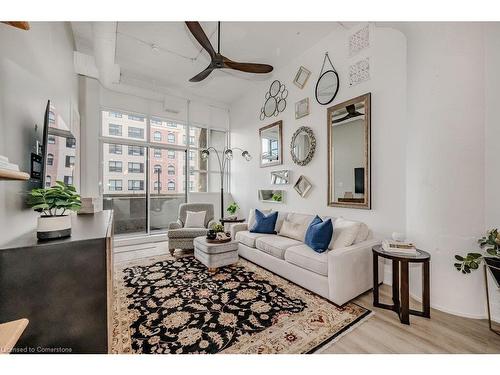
x: 6, y: 174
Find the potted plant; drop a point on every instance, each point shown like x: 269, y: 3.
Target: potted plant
x: 277, y: 197
x: 490, y: 242
x: 54, y: 203
x: 232, y: 208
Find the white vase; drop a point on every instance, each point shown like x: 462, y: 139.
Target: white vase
x: 51, y: 227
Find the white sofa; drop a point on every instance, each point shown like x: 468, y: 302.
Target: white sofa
x: 339, y: 274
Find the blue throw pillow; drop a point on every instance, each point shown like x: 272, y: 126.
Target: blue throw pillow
x: 319, y: 234
x: 263, y: 223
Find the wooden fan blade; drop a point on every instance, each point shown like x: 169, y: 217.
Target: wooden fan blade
x: 202, y: 75
x: 247, y: 67
x: 201, y: 37
x: 19, y: 24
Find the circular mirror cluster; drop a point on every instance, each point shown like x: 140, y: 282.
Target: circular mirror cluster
x: 275, y: 100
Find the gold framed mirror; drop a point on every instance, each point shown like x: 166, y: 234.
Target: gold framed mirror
x: 271, y: 144
x: 349, y: 147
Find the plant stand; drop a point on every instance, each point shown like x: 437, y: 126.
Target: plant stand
x: 488, y: 296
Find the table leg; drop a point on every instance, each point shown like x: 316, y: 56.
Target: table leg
x: 395, y: 285
x: 426, y: 293
x: 405, y: 293
x: 375, y: 279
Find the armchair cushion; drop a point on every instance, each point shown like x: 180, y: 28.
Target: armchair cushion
x: 196, y: 207
x: 187, y: 232
x: 195, y: 219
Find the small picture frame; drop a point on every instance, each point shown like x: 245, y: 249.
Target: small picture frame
x: 301, y: 77
x: 302, y: 108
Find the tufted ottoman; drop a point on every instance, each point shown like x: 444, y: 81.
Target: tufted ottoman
x: 215, y: 255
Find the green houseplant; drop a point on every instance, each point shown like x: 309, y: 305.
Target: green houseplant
x: 232, y: 208
x: 471, y: 261
x: 54, y: 204
x: 277, y: 197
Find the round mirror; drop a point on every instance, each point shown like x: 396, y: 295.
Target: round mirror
x: 281, y: 105
x: 270, y: 106
x: 275, y: 88
x: 303, y: 145
x: 327, y: 87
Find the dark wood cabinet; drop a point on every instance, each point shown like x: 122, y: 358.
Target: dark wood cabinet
x: 64, y: 287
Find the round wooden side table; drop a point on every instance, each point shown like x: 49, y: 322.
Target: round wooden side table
x: 230, y: 221
x: 401, y: 305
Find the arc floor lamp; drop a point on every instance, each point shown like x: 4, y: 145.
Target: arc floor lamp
x: 223, y: 157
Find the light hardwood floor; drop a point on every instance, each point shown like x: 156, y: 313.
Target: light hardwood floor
x: 383, y: 333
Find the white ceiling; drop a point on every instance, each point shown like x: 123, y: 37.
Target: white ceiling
x: 179, y: 56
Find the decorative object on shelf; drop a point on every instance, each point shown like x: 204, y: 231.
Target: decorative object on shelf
x: 275, y: 100
x: 328, y: 83
x: 471, y: 262
x: 301, y: 108
x: 222, y: 158
x: 401, y: 287
x: 53, y: 203
x: 349, y: 145
x: 281, y: 177
x: 359, y: 72
x: 271, y: 196
x: 359, y: 40
x: 303, y: 145
x: 302, y: 186
x: 271, y: 144
x: 301, y: 77
x: 218, y: 61
x: 232, y: 208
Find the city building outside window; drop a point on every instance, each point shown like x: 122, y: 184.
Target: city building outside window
x: 134, y: 132
x: 157, y: 185
x: 115, y: 166
x: 70, y: 142
x: 136, y: 150
x: 135, y: 167
x: 70, y: 161
x: 115, y: 129
x: 115, y: 149
x: 68, y: 180
x: 50, y: 159
x: 135, y: 185
x: 171, y: 154
x: 171, y: 138
x: 136, y: 118
x: 115, y: 114
x: 115, y: 185
x: 157, y: 168
x: 51, y: 139
x: 171, y: 170
x: 171, y: 185
x: 48, y: 180
x: 157, y: 153
x: 157, y: 136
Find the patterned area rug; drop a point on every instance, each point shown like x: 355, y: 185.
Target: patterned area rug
x: 166, y: 305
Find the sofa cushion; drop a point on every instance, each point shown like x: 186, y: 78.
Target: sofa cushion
x: 292, y: 230
x: 187, y: 232
x: 305, y: 257
x: 344, y: 233
x: 319, y: 234
x: 275, y: 245
x: 363, y: 233
x: 248, y: 238
x: 264, y: 223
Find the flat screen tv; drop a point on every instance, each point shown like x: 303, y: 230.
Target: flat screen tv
x: 359, y: 180
x: 59, y: 149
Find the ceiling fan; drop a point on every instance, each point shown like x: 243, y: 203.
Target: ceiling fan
x: 23, y: 25
x: 351, y: 113
x: 217, y: 60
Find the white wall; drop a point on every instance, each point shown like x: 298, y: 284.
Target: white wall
x: 388, y: 87
x: 35, y: 66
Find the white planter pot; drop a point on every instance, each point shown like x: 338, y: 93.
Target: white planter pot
x: 51, y: 227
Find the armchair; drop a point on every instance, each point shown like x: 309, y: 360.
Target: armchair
x: 182, y: 238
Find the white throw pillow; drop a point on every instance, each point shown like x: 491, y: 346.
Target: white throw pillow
x: 195, y: 219
x: 362, y: 233
x: 344, y: 233
x: 295, y: 231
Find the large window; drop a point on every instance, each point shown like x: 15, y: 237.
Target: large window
x: 146, y: 182
x: 70, y: 142
x: 50, y: 159
x: 70, y: 161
